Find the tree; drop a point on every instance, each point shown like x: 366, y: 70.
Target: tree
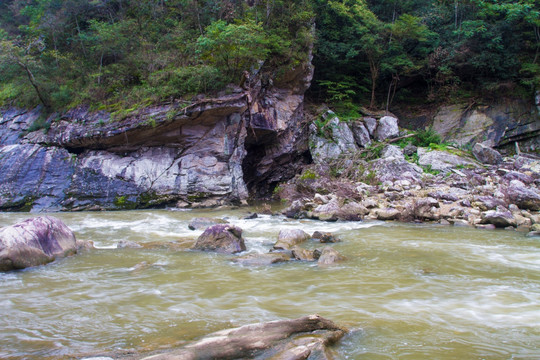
x: 234, y: 48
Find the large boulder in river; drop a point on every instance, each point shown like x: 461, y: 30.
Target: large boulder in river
x: 35, y: 242
x: 303, y: 338
x: 287, y: 239
x: 221, y: 238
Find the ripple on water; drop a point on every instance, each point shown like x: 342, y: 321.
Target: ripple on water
x: 418, y: 292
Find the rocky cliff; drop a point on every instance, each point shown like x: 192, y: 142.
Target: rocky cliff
x: 213, y: 151
x: 500, y: 123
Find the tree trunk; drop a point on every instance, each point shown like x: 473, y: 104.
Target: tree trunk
x: 32, y: 80
x: 374, y: 71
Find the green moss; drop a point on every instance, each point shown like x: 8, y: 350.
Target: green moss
x: 308, y: 175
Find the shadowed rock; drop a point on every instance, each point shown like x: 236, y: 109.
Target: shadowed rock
x: 221, y: 238
x: 35, y: 242
x: 500, y: 218
x: 486, y: 155
x: 284, y: 339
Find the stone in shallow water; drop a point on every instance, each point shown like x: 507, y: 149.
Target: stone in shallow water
x: 282, y: 339
x: 221, y: 238
x: 35, y: 242
x: 289, y: 238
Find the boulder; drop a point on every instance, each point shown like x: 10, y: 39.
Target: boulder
x: 333, y: 211
x: 524, y: 197
x: 392, y: 169
x: 304, y: 254
x: 486, y: 154
x: 442, y: 160
x: 263, y: 259
x: 221, y: 238
x: 329, y: 256
x: 35, y: 242
x: 284, y: 339
x: 487, y: 202
x: 331, y: 141
x: 387, y: 128
x: 370, y: 124
x: 361, y: 134
x: 387, y: 214
x: 426, y: 209
x: 501, y: 218
x: 325, y: 237
x: 204, y: 222
x: 287, y: 239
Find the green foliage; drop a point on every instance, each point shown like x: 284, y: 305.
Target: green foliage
x: 233, y: 48
x: 425, y: 138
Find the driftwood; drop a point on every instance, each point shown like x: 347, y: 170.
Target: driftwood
x: 302, y: 338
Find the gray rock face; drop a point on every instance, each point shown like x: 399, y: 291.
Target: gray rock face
x: 222, y: 239
x: 202, y: 155
x: 442, y: 160
x: 289, y: 238
x: 500, y: 124
x: 283, y: 339
x: 524, y: 197
x: 371, y: 125
x: 35, y: 242
x: 486, y: 155
x: 392, y: 169
x: 33, y: 177
x: 361, y: 134
x: 387, y: 128
x: 338, y: 139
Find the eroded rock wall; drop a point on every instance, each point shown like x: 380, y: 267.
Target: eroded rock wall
x: 202, y: 155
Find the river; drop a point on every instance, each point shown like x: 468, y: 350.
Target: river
x: 406, y: 291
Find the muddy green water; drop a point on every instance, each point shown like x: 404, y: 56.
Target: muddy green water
x: 406, y: 291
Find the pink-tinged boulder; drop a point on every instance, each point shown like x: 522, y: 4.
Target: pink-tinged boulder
x: 35, y: 242
x: 221, y: 238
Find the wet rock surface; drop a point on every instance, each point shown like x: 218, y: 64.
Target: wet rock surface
x: 35, y: 242
x: 221, y: 238
x: 304, y: 338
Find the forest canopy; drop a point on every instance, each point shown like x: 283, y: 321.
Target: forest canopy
x: 115, y: 54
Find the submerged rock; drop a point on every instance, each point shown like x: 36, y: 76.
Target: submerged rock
x: 35, y: 242
x: 221, y: 238
x: 285, y: 339
x: 263, y: 259
x: 329, y: 256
